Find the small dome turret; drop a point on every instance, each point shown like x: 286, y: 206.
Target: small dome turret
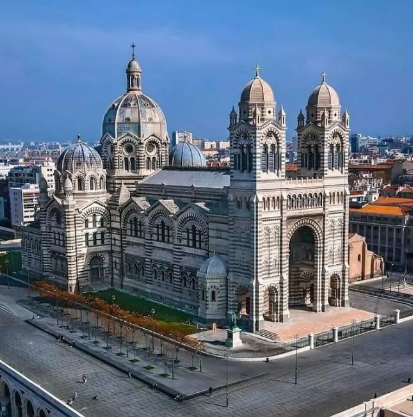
x: 184, y: 154
x: 214, y: 267
x: 79, y: 157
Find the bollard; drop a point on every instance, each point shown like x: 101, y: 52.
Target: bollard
x: 397, y: 316
x: 377, y: 320
x: 311, y: 340
x: 335, y: 334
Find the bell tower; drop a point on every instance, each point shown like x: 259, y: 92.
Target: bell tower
x: 257, y: 152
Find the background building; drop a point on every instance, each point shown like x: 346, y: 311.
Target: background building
x: 180, y: 136
x: 23, y: 204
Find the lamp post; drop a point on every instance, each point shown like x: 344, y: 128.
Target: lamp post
x: 226, y: 376
x: 7, y: 273
x: 391, y: 272
x: 153, y: 313
x: 28, y: 280
x: 353, y: 331
x: 296, y: 337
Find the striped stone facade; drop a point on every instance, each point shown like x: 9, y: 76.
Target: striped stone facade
x: 213, y: 242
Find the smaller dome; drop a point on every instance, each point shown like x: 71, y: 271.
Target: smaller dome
x: 257, y: 90
x: 79, y: 157
x: 133, y: 65
x: 324, y: 95
x: 68, y: 184
x: 214, y: 267
x: 184, y: 154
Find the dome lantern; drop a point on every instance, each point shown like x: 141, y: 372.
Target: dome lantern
x: 133, y: 73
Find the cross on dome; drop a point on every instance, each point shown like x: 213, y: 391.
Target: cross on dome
x: 257, y: 70
x: 323, y: 77
x: 133, y: 46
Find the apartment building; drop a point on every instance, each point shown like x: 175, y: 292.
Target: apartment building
x: 23, y: 204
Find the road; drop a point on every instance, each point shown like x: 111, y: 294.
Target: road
x: 327, y: 383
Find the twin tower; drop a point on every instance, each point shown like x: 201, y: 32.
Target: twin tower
x: 288, y: 237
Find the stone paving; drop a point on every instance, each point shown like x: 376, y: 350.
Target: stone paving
x: 327, y: 383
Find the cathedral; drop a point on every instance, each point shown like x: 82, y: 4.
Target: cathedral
x: 135, y: 215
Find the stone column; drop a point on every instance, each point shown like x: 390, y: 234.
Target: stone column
x: 377, y: 321
x: 311, y: 340
x: 335, y: 334
x: 319, y: 285
x: 397, y: 316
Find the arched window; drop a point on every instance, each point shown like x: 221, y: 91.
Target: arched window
x: 163, y: 232
x: 126, y: 163
x: 142, y: 271
x: 162, y: 276
x: 102, y: 238
x: 359, y: 258
x: 94, y: 220
x: 171, y: 277
x: 101, y: 183
x: 148, y: 163
x: 102, y: 222
x: 87, y: 239
x: 193, y: 283
x: 132, y: 164
x: 92, y: 183
x: 213, y: 296
x: 184, y: 281
x: 80, y: 184
x: 153, y: 163
x: 155, y: 274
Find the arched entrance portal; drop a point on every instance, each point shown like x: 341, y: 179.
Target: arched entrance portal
x: 19, y: 404
x: 302, y: 269
x: 96, y: 270
x: 334, y: 294
x: 271, y: 304
x: 5, y: 400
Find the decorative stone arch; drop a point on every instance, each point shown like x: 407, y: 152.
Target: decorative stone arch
x: 96, y: 209
x: 242, y: 137
x: 156, y: 215
x: 42, y: 413
x: 189, y: 219
x: 243, y: 299
x: 336, y: 137
x: 271, y: 136
x: 92, y: 181
x: 18, y: 402
x: 55, y: 217
x: 125, y: 140
x: 29, y: 408
x: 102, y: 182
x: 96, y: 265
x: 79, y: 181
x: 310, y: 138
x: 311, y: 223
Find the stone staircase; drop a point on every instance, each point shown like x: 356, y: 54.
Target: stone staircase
x: 266, y: 334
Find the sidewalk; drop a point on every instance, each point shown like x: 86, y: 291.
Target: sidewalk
x: 149, y: 367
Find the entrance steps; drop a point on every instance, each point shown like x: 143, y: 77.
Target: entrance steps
x: 266, y: 334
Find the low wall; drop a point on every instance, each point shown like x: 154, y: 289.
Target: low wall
x: 40, y: 399
x: 373, y: 407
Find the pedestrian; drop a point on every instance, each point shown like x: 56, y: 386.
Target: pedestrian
x: 73, y: 343
x: 129, y: 374
x: 95, y: 397
x: 375, y: 395
x: 154, y: 386
x: 75, y: 395
x: 84, y: 378
x: 210, y: 391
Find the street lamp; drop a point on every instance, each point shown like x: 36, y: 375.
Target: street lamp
x: 7, y: 273
x: 296, y: 337
x: 353, y: 331
x: 152, y: 313
x: 28, y: 280
x: 226, y: 375
x: 391, y: 272
x: 113, y: 298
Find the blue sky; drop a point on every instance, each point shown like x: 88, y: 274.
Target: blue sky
x: 63, y: 62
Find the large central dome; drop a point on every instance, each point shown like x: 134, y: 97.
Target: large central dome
x: 134, y: 111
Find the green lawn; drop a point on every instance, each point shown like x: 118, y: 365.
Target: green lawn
x: 143, y: 306
x: 15, y: 262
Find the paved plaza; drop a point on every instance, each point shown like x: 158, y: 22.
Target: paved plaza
x: 327, y: 383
